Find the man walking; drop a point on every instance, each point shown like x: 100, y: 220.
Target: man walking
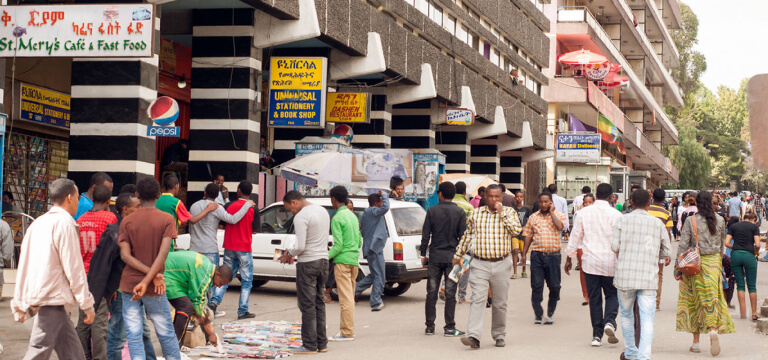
x: 203, y: 233
x: 312, y: 224
x: 443, y: 226
x: 523, y: 212
x: 50, y: 279
x: 374, y: 229
x: 460, y: 198
x: 86, y: 199
x: 91, y: 225
x: 734, y: 207
x: 490, y: 232
x: 658, y: 211
x: 640, y: 241
x: 542, y: 237
x: 592, y: 232
x: 238, y: 238
x: 560, y: 205
x: 578, y: 202
x: 345, y: 253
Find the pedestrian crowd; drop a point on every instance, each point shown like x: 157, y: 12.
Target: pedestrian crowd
x: 116, y: 262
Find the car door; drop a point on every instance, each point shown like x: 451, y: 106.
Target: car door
x: 273, y: 234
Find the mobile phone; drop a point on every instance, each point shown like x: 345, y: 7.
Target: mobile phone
x: 424, y: 261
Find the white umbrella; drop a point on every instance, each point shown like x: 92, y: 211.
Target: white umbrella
x: 473, y: 181
x: 334, y: 167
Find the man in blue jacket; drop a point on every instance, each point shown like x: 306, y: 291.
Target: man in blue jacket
x: 374, y: 229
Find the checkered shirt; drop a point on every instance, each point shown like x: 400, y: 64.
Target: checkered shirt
x: 546, y: 237
x: 640, y: 240
x: 488, y: 234
x: 592, y: 229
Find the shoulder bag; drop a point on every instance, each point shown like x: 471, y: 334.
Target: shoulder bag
x: 689, y: 262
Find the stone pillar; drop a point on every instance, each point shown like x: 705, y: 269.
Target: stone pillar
x: 224, y: 118
x: 412, y: 125
x: 511, y: 172
x: 453, y: 141
x: 485, y: 157
x: 378, y: 133
x: 108, y: 127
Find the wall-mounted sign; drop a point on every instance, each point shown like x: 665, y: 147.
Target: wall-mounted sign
x: 578, y: 148
x: 106, y: 30
x: 598, y: 72
x: 164, y: 112
x: 463, y: 117
x: 297, y: 92
x: 44, y: 106
x: 348, y: 107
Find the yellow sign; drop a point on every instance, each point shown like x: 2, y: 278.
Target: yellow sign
x: 297, y: 92
x: 44, y: 106
x: 347, y: 107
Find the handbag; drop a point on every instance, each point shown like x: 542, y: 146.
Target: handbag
x: 689, y: 262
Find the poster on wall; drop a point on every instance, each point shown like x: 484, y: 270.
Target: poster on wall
x: 426, y: 169
x: 578, y: 148
x: 104, y: 30
x: 44, y: 106
x: 297, y: 91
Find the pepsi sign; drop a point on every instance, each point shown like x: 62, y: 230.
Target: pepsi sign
x: 169, y: 131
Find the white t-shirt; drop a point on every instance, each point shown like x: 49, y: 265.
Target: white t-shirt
x: 312, y: 226
x: 578, y: 203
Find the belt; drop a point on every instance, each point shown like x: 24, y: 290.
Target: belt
x: 494, y: 259
x: 548, y: 253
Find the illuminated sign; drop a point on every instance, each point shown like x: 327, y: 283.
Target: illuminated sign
x: 347, y: 107
x: 297, y: 92
x: 107, y: 30
x: 44, y: 106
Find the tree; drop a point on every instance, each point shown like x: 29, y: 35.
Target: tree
x: 692, y: 62
x: 691, y: 158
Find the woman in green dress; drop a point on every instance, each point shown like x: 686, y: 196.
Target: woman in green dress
x: 701, y: 306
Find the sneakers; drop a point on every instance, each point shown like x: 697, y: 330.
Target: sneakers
x: 340, y: 337
x: 610, y: 331
x: 304, y: 351
x: 471, y: 342
x: 246, y: 316
x: 524, y: 275
x: 216, y: 312
x: 378, y: 307
x: 184, y: 349
x: 323, y: 350
x: 537, y: 322
x: 441, y: 294
x: 453, y: 333
x: 513, y: 277
x: 550, y: 320
x: 596, y: 341
x: 500, y: 343
x: 714, y: 342
x: 429, y: 331
x: 183, y: 356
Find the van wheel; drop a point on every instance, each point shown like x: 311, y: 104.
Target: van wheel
x: 258, y: 283
x: 396, y: 289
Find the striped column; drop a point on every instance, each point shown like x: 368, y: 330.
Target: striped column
x: 453, y: 141
x: 285, y: 141
x: 378, y: 133
x: 412, y: 125
x: 485, y: 157
x: 224, y: 123
x: 511, y: 172
x: 108, y: 127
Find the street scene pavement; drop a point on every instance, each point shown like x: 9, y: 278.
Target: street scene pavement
x: 398, y: 330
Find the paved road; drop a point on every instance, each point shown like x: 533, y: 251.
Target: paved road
x: 398, y: 329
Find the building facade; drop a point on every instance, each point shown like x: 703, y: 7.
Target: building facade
x: 415, y: 58
x: 634, y: 34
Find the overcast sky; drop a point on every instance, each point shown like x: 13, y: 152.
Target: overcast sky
x: 732, y: 37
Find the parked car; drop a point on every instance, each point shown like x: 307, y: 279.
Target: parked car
x: 401, y: 254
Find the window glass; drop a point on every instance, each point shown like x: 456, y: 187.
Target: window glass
x: 423, y: 6
x: 494, y: 57
x: 449, y: 23
x: 436, y: 14
x: 408, y: 221
x: 461, y: 33
x: 276, y: 220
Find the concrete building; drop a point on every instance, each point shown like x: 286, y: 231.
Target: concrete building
x: 416, y: 58
x: 634, y: 34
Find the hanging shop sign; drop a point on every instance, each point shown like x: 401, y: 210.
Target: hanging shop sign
x: 464, y: 117
x: 297, y: 91
x: 348, y: 107
x: 598, y: 72
x: 106, y: 30
x: 164, y: 112
x: 44, y: 106
x: 578, y: 148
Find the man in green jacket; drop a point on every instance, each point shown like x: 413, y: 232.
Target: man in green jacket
x: 188, y: 275
x: 345, y: 253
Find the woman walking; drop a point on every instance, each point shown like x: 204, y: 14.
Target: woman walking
x: 701, y: 306
x: 744, y: 239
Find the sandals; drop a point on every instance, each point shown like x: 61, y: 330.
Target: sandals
x: 755, y: 317
x: 327, y: 299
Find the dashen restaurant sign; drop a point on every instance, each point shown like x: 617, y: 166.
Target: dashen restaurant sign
x: 106, y: 30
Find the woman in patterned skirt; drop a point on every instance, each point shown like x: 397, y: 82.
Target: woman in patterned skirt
x: 701, y: 306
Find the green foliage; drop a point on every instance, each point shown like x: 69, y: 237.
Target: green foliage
x: 691, y: 158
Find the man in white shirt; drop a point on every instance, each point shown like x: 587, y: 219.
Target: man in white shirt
x: 578, y: 202
x: 592, y: 230
x: 561, y: 205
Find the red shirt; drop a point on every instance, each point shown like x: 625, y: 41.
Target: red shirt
x: 237, y: 237
x: 91, y: 225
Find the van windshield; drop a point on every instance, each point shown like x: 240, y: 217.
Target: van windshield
x: 409, y: 221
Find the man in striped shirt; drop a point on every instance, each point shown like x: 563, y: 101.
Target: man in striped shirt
x: 490, y: 231
x: 592, y: 231
x: 657, y: 210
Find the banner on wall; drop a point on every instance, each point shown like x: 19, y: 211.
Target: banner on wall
x: 297, y: 91
x: 105, y: 30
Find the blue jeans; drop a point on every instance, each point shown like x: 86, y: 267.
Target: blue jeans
x: 159, y: 311
x: 213, y: 257
x: 116, y: 335
x: 243, y: 262
x: 375, y: 278
x: 646, y: 301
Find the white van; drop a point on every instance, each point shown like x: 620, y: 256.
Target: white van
x: 403, y: 267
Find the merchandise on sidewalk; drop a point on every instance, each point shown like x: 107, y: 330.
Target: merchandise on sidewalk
x: 254, y: 340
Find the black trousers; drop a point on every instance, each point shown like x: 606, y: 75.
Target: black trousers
x: 597, y: 286
x: 545, y: 267
x: 184, y: 310
x: 436, y: 272
x: 310, y: 288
